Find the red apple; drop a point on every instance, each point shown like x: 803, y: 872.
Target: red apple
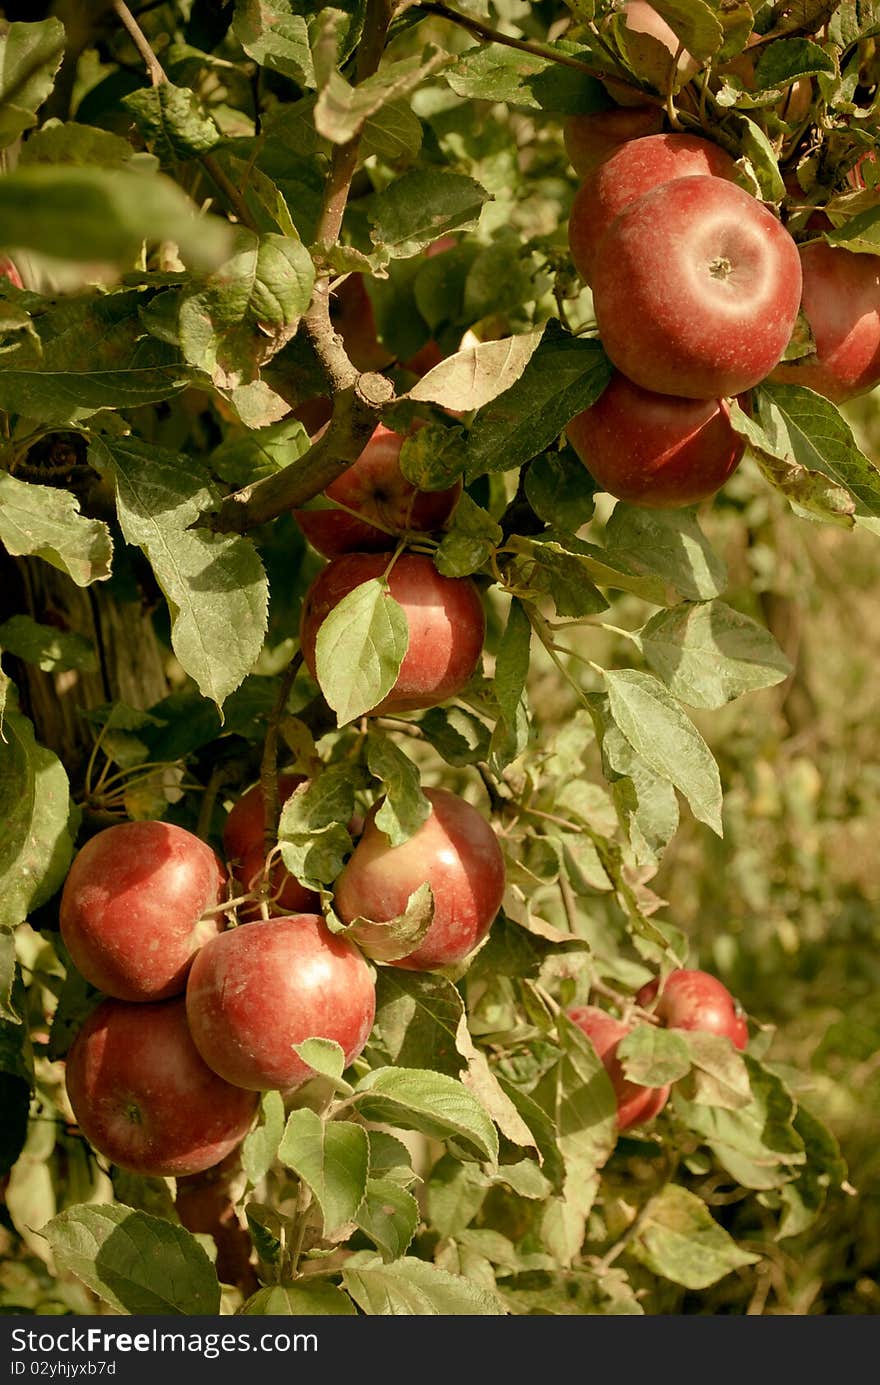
x: 635, y: 1104
x: 243, y: 842
x: 591, y: 139
x: 841, y: 302
x: 9, y: 271
x: 133, y: 904
x: 376, y: 488
x: 445, y: 616
x: 697, y: 1000
x: 636, y: 168
x: 143, y: 1097
x: 258, y: 990
x: 456, y: 852
x: 651, y: 44
x: 351, y: 313
x: 653, y: 449
x: 696, y: 289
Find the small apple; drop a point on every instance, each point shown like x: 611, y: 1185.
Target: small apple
x: 447, y: 624
x: 144, y: 1098
x: 696, y: 289
x: 133, y: 907
x: 269, y: 986
x: 636, y: 168
x: 653, y: 449
x: 591, y: 139
x: 243, y: 842
x: 456, y: 852
x: 841, y: 302
x: 696, y: 1000
x: 375, y: 488
x: 635, y: 1104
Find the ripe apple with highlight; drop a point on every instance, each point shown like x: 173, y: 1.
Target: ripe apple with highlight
x: 696, y: 1000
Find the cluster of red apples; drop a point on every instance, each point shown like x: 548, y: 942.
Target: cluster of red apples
x: 696, y: 289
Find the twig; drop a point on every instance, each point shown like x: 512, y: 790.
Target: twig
x: 484, y: 31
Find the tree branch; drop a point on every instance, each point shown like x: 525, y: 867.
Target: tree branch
x: 538, y: 50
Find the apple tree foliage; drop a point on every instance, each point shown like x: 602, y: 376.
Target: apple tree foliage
x: 180, y: 192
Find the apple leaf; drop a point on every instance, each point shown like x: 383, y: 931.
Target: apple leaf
x: 471, y: 538
x: 756, y: 1143
x: 241, y: 460
x: 805, y: 1196
x: 172, y: 121
x: 563, y: 376
x: 762, y: 159
x: 342, y: 110
x: 135, y: 1262
x: 324, y: 1056
x: 387, y: 940
x: 411, y: 1287
x: 668, y: 544
x: 404, y: 807
x: 560, y: 490
x: 243, y: 315
x: 311, y: 1298
x: 458, y: 736
x: 679, y: 1239
x: 652, y: 1056
x: 708, y: 654
x: 36, y: 844
x: 433, y: 457
x: 8, y: 972
x: 314, y: 841
x: 577, y: 1094
x: 359, y: 650
x: 694, y: 23
x: 719, y: 1076
x: 104, y: 214
x: 275, y: 36
x: 570, y: 1293
x: 512, y: 660
x: 44, y: 522
x: 860, y: 234
x: 474, y: 376
x: 546, y: 565
x: 393, y: 134
x: 786, y: 59
x: 667, y: 740
x: 264, y: 199
x: 390, y: 1216
x: 431, y: 1102
x: 417, y: 1019
x: 95, y: 354
x: 47, y: 647
x: 68, y: 142
x: 493, y: 73
x: 30, y: 56
x: 644, y: 800
x: 808, y: 492
x: 421, y: 206
x: 260, y: 1147
x: 821, y: 440
x: 333, y: 1158
x: 214, y: 584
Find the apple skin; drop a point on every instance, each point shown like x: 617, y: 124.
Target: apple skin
x: 652, y: 45
x: 268, y: 986
x: 376, y: 488
x: 696, y: 289
x: 636, y: 168
x: 456, y: 851
x: 132, y: 905
x: 635, y: 1104
x: 447, y: 624
x: 655, y: 450
x: 591, y: 139
x: 696, y: 1000
x: 144, y: 1098
x: 841, y: 302
x: 245, y: 851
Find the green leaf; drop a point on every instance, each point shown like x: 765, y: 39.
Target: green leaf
x: 645, y: 801
x: 512, y: 661
x: 333, y: 1158
x: 264, y: 199
x: 95, y: 354
x: 471, y: 539
x: 560, y: 490
x: 44, y: 522
x: 653, y: 1056
x: 759, y: 150
x: 493, y: 73
x: 756, y: 1143
x: 172, y: 121
x: 214, y: 584
x: 342, y: 110
x: 719, y: 1076
x: 417, y: 1018
x: 787, y: 59
x: 428, y: 1101
x: 458, y: 736
x: 709, y: 654
x: 248, y: 310
x: 314, y: 841
x: 469, y: 379
x: 421, y: 206
x: 824, y: 1169
x: 305, y: 1299
x: 47, y: 647
x: 404, y: 807
x: 860, y: 234
x: 104, y: 214
x: 389, y: 1215
x: 694, y: 23
x: 35, y: 845
x: 360, y: 648
x: 275, y: 36
x: 667, y: 544
x: 393, y: 133
x: 576, y: 1293
x: 260, y: 452
x: 30, y: 56
x: 433, y: 457
x: 563, y: 376
x: 134, y: 1262
x: 324, y: 1056
x: 577, y: 1093
x: 680, y: 1240
x: 809, y: 492
x: 667, y: 740
x: 68, y: 142
x: 821, y: 440
x: 260, y: 1147
x: 411, y: 1287
x: 546, y: 565
x: 8, y: 972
